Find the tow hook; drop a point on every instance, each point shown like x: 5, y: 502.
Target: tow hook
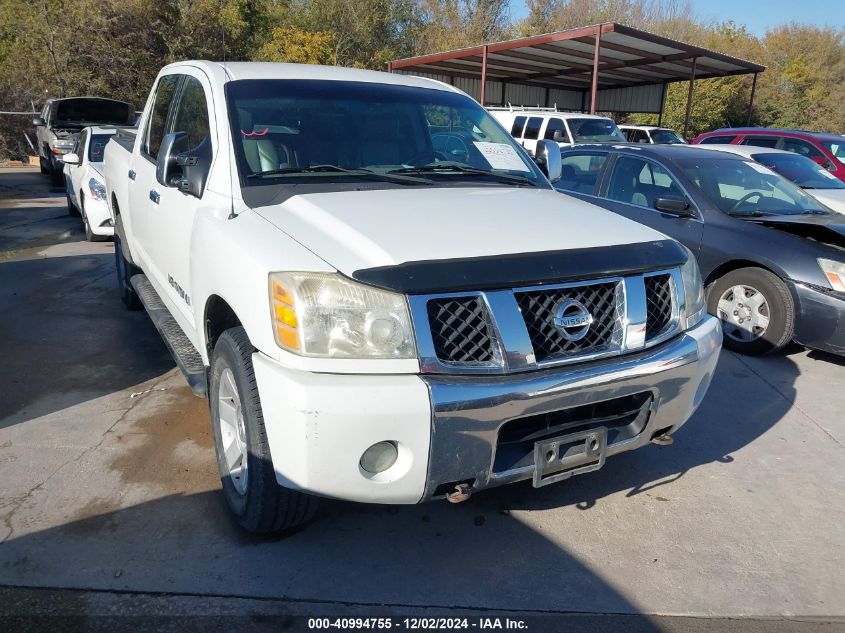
x: 462, y: 493
x: 663, y: 440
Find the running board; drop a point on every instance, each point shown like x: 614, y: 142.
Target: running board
x: 183, y: 351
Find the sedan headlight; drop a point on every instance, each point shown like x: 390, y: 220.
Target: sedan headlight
x: 696, y: 306
x: 835, y: 273
x: 97, y: 189
x: 327, y: 315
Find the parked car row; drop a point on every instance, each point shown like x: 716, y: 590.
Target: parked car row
x: 387, y: 297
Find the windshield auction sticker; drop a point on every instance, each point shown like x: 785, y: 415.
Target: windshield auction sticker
x: 501, y: 156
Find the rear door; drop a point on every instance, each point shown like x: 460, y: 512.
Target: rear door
x: 631, y: 188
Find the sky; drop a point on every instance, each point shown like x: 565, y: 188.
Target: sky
x: 761, y: 15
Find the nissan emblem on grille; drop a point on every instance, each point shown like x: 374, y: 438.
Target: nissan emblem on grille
x: 572, y: 319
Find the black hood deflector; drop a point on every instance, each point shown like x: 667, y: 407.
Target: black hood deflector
x: 524, y: 269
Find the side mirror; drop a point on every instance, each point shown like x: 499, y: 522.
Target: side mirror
x: 675, y: 206
x: 70, y: 159
x: 181, y: 167
x: 560, y: 137
x: 547, y: 157
x: 39, y: 122
x: 821, y: 161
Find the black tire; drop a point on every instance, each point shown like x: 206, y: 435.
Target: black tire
x: 57, y: 177
x: 44, y: 169
x: 72, y: 211
x: 780, y: 309
x: 264, y: 507
x: 89, y: 234
x: 125, y: 269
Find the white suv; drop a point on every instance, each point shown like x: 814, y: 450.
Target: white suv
x: 567, y: 128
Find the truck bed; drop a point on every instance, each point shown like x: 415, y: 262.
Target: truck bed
x: 125, y: 137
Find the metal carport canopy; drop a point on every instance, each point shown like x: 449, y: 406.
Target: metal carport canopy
x: 607, y: 67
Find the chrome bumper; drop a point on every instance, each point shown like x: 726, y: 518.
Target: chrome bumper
x: 468, y: 411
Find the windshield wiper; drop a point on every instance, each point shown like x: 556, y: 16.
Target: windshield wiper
x: 752, y: 214
x: 460, y: 169
x: 405, y: 180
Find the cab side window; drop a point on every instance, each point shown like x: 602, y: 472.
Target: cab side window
x: 165, y: 90
x: 532, y: 128
x: 191, y: 114
x: 760, y: 141
x: 553, y: 126
x: 717, y: 140
x: 640, y: 182
x: 518, y: 126
x: 580, y: 172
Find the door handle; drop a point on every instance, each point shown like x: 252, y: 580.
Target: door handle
x: 131, y: 174
x: 154, y: 196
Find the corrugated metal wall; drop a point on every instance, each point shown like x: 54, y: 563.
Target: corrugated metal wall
x: 633, y: 99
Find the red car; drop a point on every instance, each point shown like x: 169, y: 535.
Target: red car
x: 828, y: 150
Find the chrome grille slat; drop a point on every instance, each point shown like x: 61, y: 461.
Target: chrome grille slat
x: 512, y: 330
x: 538, y: 310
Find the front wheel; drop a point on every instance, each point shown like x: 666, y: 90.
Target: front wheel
x: 756, y: 310
x: 89, y: 234
x: 259, y: 504
x: 72, y: 211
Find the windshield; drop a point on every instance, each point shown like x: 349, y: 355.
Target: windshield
x: 743, y: 188
x: 800, y: 170
x: 97, y: 146
x: 93, y: 111
x: 666, y: 137
x: 310, y: 131
x: 837, y: 148
x: 595, y: 131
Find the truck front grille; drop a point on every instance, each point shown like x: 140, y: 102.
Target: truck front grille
x: 460, y: 330
x: 520, y: 329
x: 539, y: 309
x: 659, y: 305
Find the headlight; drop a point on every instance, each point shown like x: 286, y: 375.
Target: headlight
x: 835, y: 273
x: 97, y: 189
x: 327, y: 315
x: 62, y: 146
x: 696, y: 307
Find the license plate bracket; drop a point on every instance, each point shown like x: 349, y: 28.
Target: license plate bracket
x: 563, y: 457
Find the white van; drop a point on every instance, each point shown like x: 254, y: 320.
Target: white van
x: 528, y: 125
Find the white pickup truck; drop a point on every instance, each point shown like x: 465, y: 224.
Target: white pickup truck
x: 382, y: 295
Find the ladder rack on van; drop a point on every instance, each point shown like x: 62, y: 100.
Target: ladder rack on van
x: 522, y: 108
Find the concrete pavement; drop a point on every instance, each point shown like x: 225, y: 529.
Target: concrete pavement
x: 108, y: 480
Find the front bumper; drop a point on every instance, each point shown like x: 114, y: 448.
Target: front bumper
x: 447, y: 427
x: 820, y: 319
x: 99, y: 218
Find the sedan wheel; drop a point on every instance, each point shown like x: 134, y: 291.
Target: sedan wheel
x: 744, y: 312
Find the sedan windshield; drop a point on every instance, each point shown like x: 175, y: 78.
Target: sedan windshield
x: 97, y: 146
x: 743, y: 188
x: 837, y: 148
x: 319, y: 132
x: 595, y: 131
x: 666, y: 137
x: 800, y: 170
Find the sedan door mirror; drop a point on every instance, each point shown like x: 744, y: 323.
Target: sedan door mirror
x: 547, y: 157
x: 39, y: 122
x: 822, y: 161
x: 675, y: 206
x: 70, y: 159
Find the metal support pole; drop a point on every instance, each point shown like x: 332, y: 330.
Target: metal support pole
x: 751, y: 101
x: 689, y: 96
x: 662, y: 105
x: 390, y: 67
x: 483, y: 73
x: 595, y: 85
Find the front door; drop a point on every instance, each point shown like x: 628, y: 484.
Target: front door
x: 632, y: 189
x: 172, y: 216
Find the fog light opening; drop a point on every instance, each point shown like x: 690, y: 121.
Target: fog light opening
x: 379, y: 457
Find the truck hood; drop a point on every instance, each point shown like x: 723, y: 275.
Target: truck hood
x: 372, y: 229
x: 833, y: 199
